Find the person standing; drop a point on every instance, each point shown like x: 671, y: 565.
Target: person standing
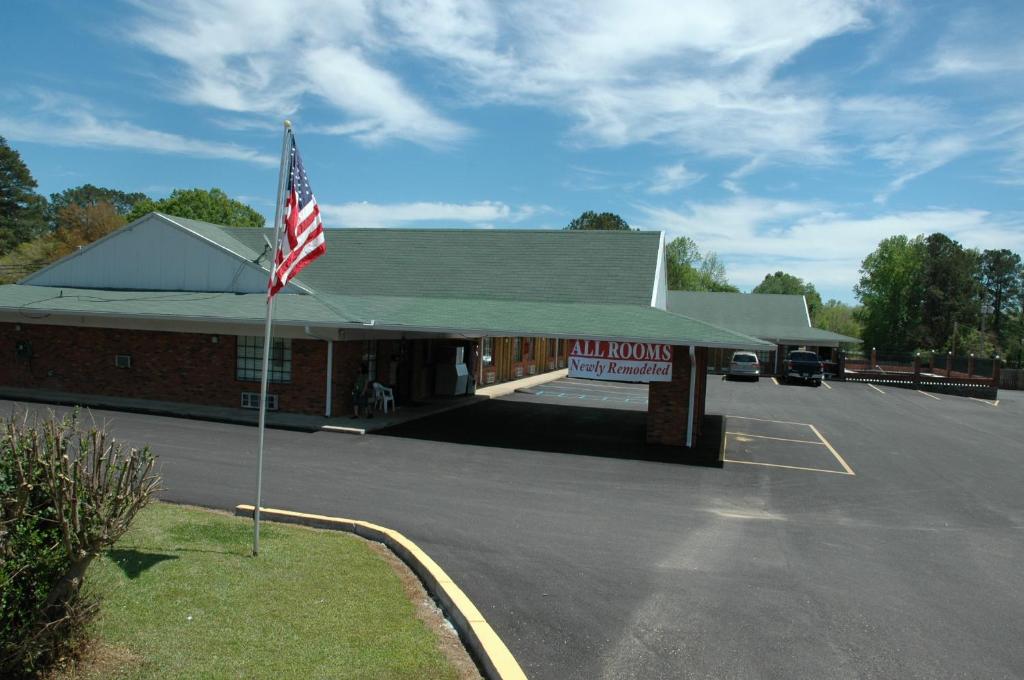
x: 361, y: 393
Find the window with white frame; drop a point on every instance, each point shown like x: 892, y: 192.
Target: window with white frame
x: 487, y: 355
x: 249, y: 359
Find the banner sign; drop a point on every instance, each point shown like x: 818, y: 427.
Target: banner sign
x: 626, y: 361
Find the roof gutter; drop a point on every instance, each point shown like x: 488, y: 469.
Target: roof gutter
x: 755, y: 344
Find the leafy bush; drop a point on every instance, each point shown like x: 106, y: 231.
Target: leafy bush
x: 66, y: 494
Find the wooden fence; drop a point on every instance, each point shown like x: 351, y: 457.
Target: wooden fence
x: 914, y: 374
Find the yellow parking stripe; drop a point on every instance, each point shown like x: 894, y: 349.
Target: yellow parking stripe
x: 775, y: 381
x: 767, y: 420
x: 778, y: 439
x: 835, y: 453
x: 928, y: 395
x: 986, y: 401
x: 875, y: 388
x: 825, y: 384
x: 789, y: 467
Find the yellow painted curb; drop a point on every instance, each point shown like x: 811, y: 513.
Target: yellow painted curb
x: 483, y: 643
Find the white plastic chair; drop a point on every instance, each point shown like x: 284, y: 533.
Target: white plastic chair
x: 382, y: 396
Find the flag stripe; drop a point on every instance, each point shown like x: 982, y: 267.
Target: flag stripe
x: 302, y: 234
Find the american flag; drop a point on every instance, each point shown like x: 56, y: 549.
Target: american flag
x: 302, y: 236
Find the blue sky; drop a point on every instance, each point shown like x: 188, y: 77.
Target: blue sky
x: 781, y: 135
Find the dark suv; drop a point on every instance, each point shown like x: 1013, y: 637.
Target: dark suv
x: 803, y: 366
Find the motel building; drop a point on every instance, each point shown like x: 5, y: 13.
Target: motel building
x: 784, y: 321
x: 172, y: 309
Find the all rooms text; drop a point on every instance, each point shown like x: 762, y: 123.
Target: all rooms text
x: 629, y: 351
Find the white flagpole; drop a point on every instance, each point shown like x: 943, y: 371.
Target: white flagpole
x: 282, y: 175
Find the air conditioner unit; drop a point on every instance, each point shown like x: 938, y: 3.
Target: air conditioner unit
x: 532, y: 369
x: 252, y: 400
x: 123, y: 360
x: 490, y: 378
x: 518, y: 371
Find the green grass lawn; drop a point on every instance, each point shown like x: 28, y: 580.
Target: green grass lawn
x: 183, y: 598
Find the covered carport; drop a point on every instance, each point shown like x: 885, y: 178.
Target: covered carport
x: 672, y: 423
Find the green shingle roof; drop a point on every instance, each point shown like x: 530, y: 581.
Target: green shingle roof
x: 778, y: 318
x: 497, y: 264
x: 414, y: 314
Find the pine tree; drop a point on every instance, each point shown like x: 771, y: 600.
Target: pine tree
x: 21, y: 208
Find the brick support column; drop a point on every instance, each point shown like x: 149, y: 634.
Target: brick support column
x: 669, y: 402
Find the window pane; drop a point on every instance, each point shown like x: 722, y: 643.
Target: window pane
x: 488, y: 352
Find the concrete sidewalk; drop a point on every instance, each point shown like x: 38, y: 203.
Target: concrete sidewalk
x: 283, y: 421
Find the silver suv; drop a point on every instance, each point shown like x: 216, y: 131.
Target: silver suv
x: 744, y: 365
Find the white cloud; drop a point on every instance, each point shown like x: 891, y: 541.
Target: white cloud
x: 375, y: 99
x: 363, y: 214
x: 756, y: 236
x: 61, y: 120
x: 977, y: 44
x: 704, y: 77
x: 265, y: 56
x: 914, y: 157
x: 732, y: 186
x: 669, y: 178
x: 699, y: 75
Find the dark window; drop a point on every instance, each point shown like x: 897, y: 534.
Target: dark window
x: 517, y: 349
x: 249, y: 361
x: 803, y: 356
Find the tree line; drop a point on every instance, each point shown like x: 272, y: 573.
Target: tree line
x: 930, y: 293
x: 923, y: 293
x: 36, y: 230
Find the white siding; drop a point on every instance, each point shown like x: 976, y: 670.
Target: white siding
x: 659, y: 296
x: 154, y: 255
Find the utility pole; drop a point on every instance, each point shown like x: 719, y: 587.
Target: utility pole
x: 986, y: 309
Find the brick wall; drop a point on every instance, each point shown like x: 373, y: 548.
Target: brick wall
x: 347, y: 362
x: 668, y: 403
x: 183, y: 367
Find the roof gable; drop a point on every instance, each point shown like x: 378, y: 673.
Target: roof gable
x: 745, y: 312
x: 157, y: 252
x: 769, y: 316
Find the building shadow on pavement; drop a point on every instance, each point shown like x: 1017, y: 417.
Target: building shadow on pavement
x: 603, y: 432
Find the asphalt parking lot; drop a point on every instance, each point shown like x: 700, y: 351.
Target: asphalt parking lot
x: 594, y: 562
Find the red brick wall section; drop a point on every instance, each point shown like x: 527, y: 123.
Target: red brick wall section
x: 668, y: 403
x: 347, y: 362
x: 183, y: 367
x: 702, y: 355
